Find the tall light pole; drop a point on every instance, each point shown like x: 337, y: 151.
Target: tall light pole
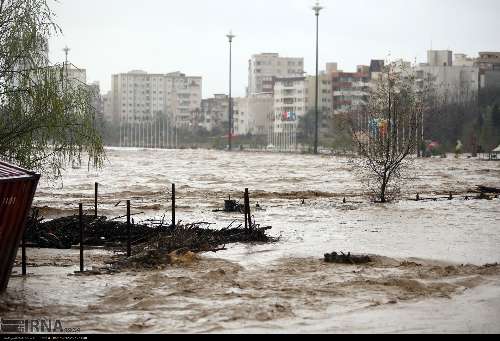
x: 316, y: 10
x: 230, y: 36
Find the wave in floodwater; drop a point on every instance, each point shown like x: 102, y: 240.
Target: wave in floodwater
x: 300, y: 196
x: 201, y: 174
x: 283, y: 286
x: 216, y: 295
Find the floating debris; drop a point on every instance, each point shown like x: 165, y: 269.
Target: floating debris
x: 346, y: 259
x: 159, y: 235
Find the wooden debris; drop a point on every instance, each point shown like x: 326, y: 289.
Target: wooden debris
x: 231, y: 206
x: 150, y: 234
x: 346, y: 259
x: 488, y: 190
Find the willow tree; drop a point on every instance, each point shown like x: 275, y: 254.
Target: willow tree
x: 46, y: 119
x: 386, y: 131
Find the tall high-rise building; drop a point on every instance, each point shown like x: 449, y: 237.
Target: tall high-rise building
x: 262, y: 68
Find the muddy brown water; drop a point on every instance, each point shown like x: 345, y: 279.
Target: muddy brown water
x: 432, y: 277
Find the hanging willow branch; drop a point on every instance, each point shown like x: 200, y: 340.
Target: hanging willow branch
x: 46, y: 119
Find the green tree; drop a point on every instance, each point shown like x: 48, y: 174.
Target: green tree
x: 46, y: 119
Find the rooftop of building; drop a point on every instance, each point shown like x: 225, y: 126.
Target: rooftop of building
x: 9, y: 172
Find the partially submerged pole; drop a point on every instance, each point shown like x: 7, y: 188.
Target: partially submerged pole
x: 129, y: 244
x: 248, y: 211
x: 173, y: 206
x: 245, y: 208
x: 80, y: 221
x: 95, y: 198
x: 23, y: 247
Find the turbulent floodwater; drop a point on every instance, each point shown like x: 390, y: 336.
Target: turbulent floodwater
x: 284, y: 286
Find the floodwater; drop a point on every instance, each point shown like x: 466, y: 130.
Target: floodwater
x: 428, y: 275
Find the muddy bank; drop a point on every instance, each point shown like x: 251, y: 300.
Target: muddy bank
x: 199, y: 294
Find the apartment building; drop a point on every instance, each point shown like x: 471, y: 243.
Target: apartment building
x: 290, y: 104
x: 489, y: 68
x: 215, y: 112
x: 349, y: 91
x: 454, y: 83
x: 325, y: 100
x: 140, y: 97
x: 263, y: 68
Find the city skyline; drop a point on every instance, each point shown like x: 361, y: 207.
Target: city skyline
x: 158, y: 38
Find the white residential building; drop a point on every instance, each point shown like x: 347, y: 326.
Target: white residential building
x: 215, y: 112
x: 260, y: 107
x: 439, y: 58
x: 242, y: 118
x: 454, y: 83
x: 262, y: 68
x: 107, y: 102
x: 139, y: 96
x: 463, y: 60
x: 183, y: 97
x: 150, y: 107
x: 290, y: 104
x: 325, y: 98
x: 74, y: 74
x: 291, y: 95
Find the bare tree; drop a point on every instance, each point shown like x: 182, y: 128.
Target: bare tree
x: 385, y: 131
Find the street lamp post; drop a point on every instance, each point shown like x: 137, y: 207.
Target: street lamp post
x: 230, y: 36
x: 316, y: 10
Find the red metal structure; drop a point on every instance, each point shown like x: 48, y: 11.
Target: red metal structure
x: 17, y: 189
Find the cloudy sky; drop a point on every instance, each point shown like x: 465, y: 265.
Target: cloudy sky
x: 115, y: 36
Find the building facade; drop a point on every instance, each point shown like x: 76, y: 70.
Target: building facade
x: 263, y: 68
x: 325, y: 98
x: 215, y: 112
x: 439, y: 58
x: 350, y: 91
x: 260, y: 107
x: 183, y: 97
x: 454, y: 83
x: 138, y: 96
x: 74, y: 74
x: 290, y: 104
x: 151, y: 107
x: 489, y: 68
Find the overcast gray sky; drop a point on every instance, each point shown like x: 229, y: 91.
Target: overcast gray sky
x: 115, y: 36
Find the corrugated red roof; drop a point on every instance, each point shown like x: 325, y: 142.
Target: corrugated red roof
x: 17, y: 188
x: 11, y: 172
